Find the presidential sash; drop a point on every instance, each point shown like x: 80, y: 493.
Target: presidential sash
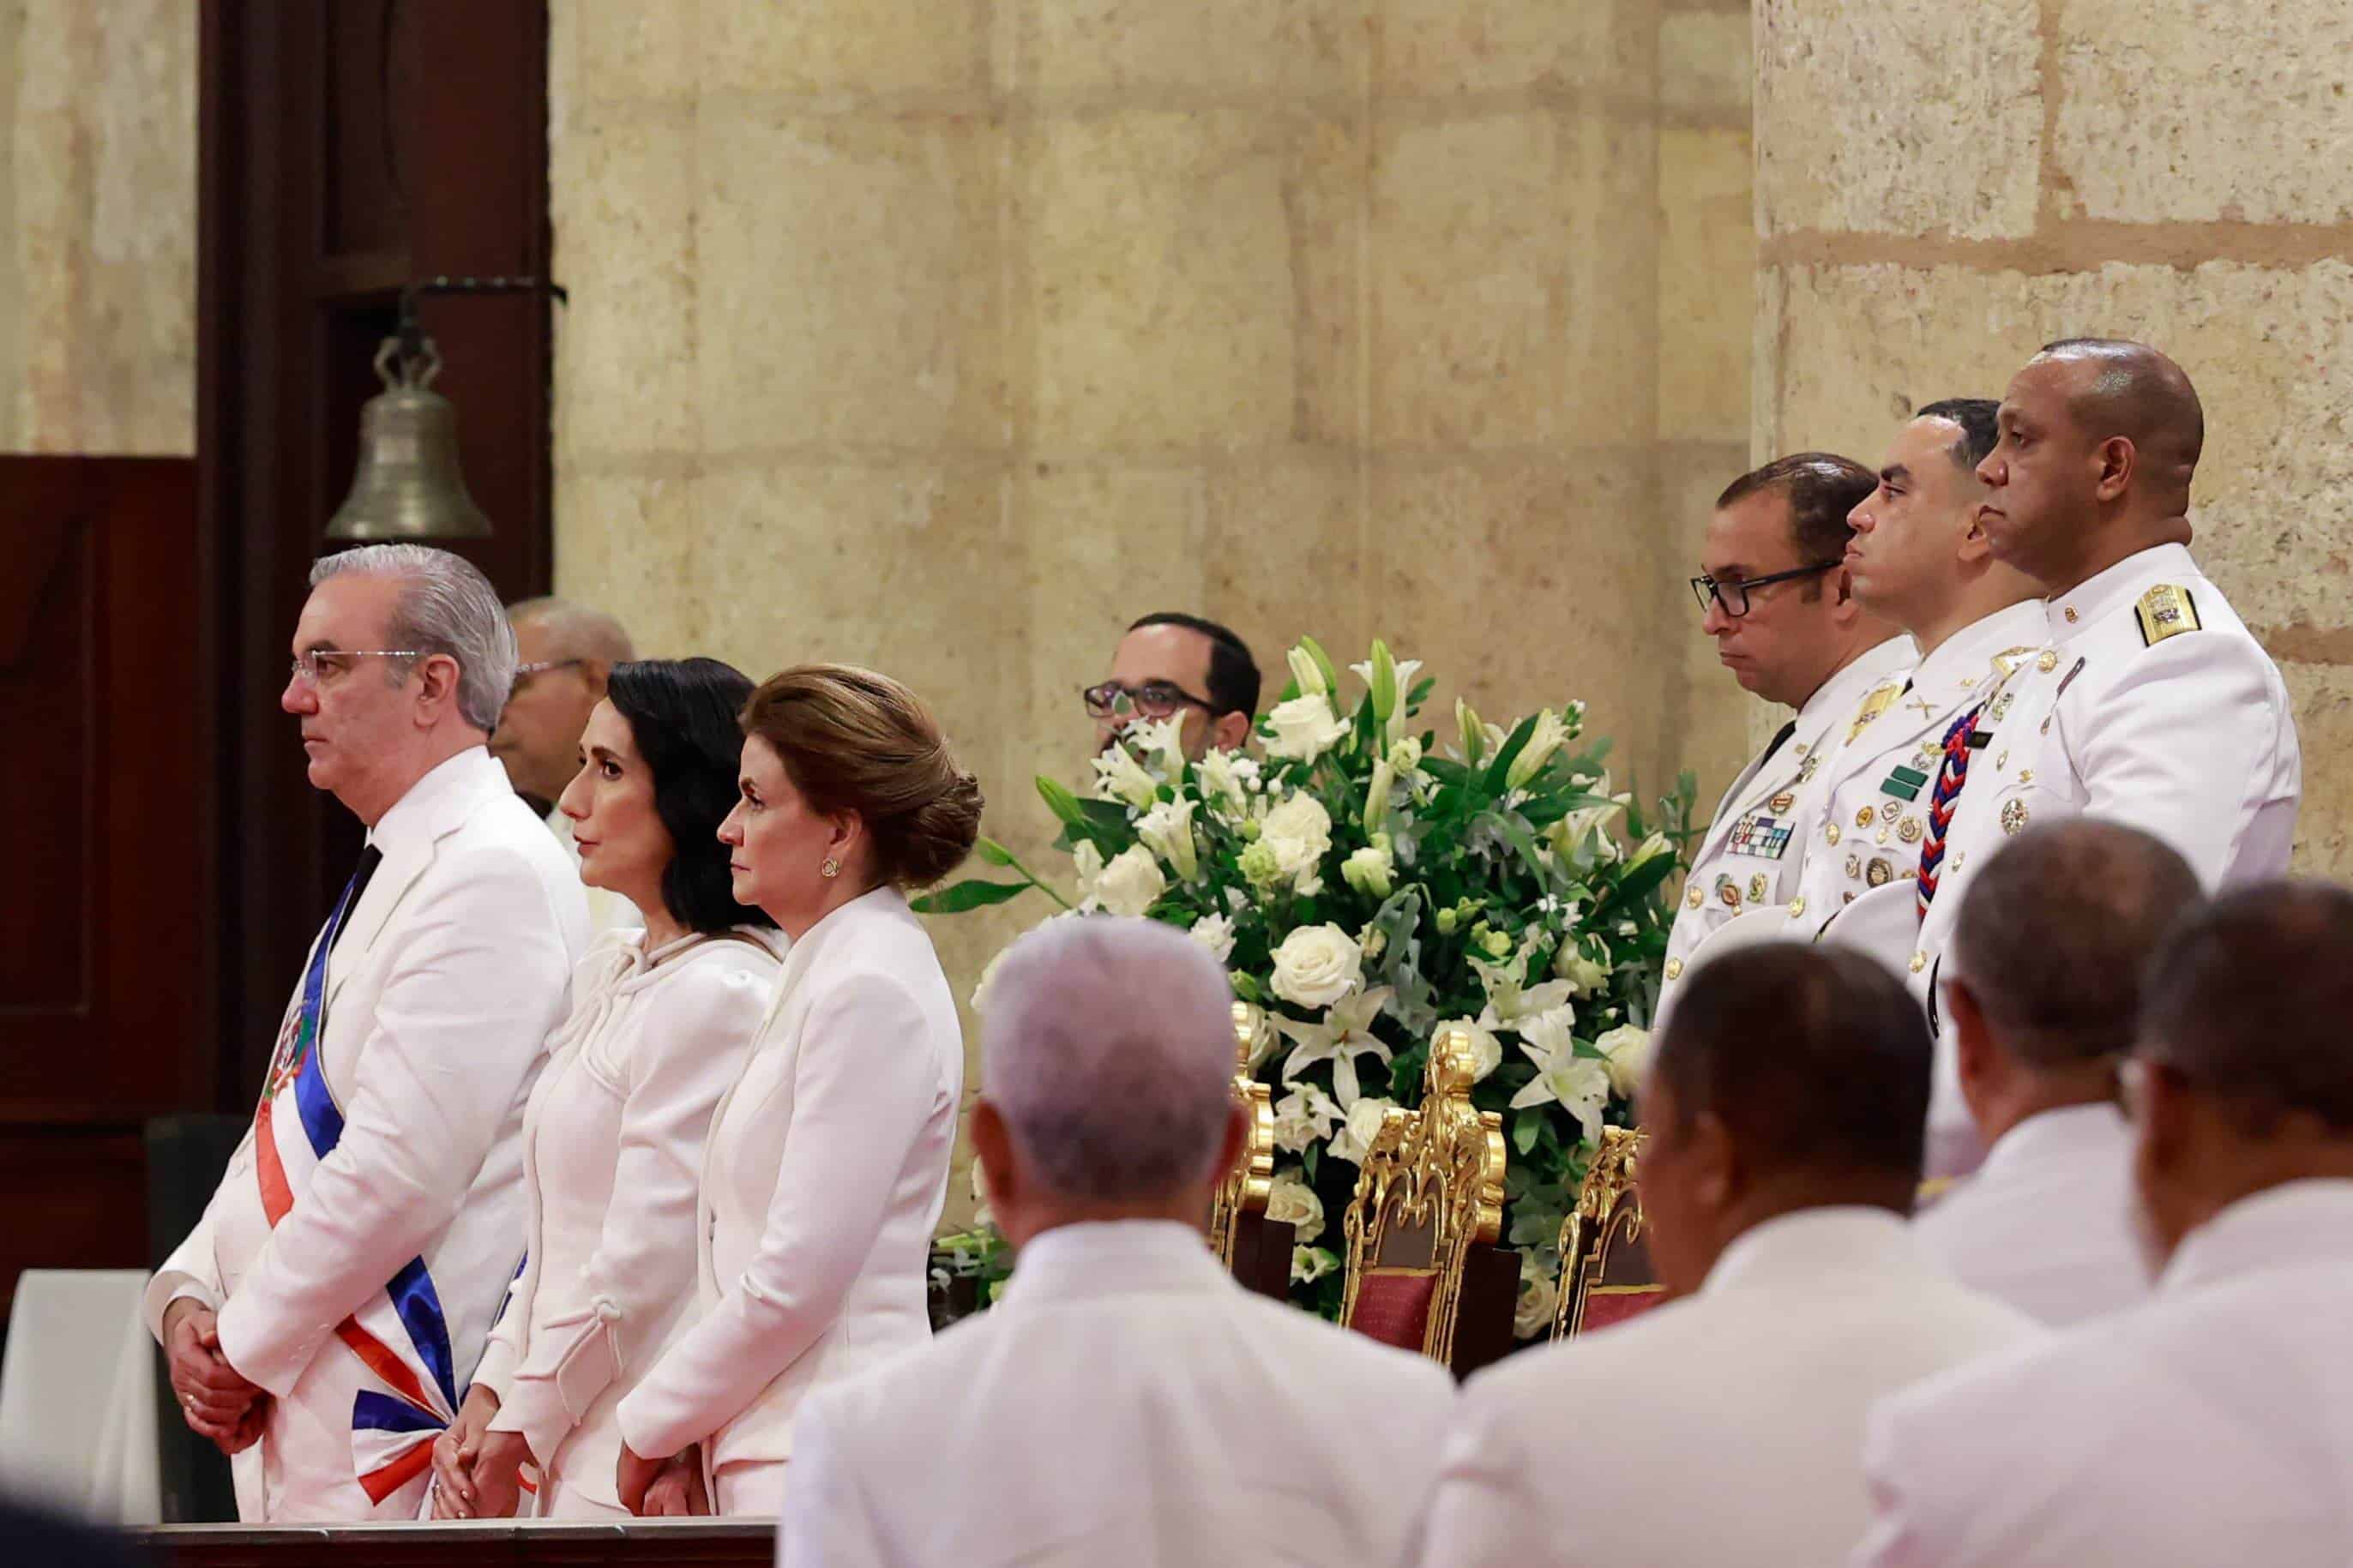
x: 399, y: 1335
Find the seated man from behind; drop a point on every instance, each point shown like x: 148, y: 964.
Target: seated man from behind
x: 2042, y: 989
x: 2208, y: 1425
x: 1182, y: 667
x: 1125, y: 1401
x: 1783, y: 1109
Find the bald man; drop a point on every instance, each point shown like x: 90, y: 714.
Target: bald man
x: 2150, y: 703
x: 567, y: 651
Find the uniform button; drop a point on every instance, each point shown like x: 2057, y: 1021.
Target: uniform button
x: 1674, y: 969
x: 1919, y: 961
x: 1797, y: 908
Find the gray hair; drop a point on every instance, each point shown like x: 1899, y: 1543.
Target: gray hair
x: 577, y: 631
x: 446, y: 606
x: 1108, y: 1046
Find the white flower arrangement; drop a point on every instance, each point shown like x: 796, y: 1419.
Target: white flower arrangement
x: 1364, y: 887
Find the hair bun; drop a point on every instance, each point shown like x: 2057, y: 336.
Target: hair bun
x: 936, y: 835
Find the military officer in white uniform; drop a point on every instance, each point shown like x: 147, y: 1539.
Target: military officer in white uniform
x: 1788, y: 625
x: 1920, y: 558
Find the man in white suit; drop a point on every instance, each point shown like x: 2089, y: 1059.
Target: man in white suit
x: 1777, y: 598
x: 325, y: 1315
x: 1125, y: 1401
x: 2042, y: 988
x: 2208, y: 1424
x: 1783, y: 1112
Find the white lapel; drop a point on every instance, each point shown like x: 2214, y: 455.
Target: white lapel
x: 386, y: 890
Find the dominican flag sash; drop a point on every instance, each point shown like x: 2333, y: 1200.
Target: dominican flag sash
x: 399, y: 1335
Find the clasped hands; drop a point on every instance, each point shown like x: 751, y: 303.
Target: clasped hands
x: 476, y: 1472
x: 216, y: 1400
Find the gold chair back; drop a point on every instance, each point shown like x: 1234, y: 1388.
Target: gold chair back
x: 1431, y: 1190
x: 1247, y: 1186
x: 1605, y: 1273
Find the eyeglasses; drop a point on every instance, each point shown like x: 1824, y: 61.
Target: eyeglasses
x: 523, y: 672
x: 1153, y: 699
x: 1734, y: 596
x: 321, y: 664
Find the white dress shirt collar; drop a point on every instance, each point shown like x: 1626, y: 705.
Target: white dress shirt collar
x: 2293, y: 1222
x: 2103, y: 594
x: 1808, y: 1246
x: 1115, y: 1258
x: 1955, y: 667
x: 2047, y: 1133
x: 421, y: 815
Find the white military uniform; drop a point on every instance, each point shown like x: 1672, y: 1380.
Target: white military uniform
x: 1875, y: 814
x: 2153, y: 706
x: 2207, y: 1426
x: 1126, y: 1402
x: 363, y: 1237
x: 2046, y: 1222
x: 1722, y: 1428
x: 1756, y: 847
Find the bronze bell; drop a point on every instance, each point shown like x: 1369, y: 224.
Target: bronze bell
x: 408, y: 484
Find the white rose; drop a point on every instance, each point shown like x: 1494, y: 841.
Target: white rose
x: 1306, y: 1115
x: 1485, y: 1049
x: 1317, y: 965
x: 1624, y: 1049
x: 1304, y: 729
x: 1298, y: 831
x: 1088, y: 862
x: 1291, y: 1200
x: 1354, y: 1139
x: 1264, y: 1037
x: 1584, y: 974
x: 1309, y: 1264
x: 1129, y: 884
x: 1539, y: 1300
x: 1167, y: 828
x: 1119, y: 776
x: 1215, y: 933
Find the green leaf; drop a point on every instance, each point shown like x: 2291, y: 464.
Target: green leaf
x: 1523, y: 1132
x: 1420, y: 693
x: 1518, y: 838
x: 964, y: 896
x: 1308, y: 1159
x: 992, y: 853
x: 1633, y: 887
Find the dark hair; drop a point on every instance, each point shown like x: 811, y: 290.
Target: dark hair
x: 2248, y: 998
x: 1980, y: 428
x: 2055, y: 930
x: 1233, y: 673
x: 1821, y: 487
x: 851, y: 739
x: 1813, y: 1059
x: 682, y: 715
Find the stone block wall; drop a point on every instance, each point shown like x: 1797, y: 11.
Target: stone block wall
x: 1941, y: 189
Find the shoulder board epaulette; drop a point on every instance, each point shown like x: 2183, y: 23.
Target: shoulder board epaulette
x: 2165, y: 611
x: 2009, y: 658
x: 1879, y: 700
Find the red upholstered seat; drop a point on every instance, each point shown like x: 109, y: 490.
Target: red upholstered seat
x: 1393, y: 1306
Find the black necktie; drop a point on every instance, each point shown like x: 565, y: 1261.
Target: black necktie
x: 370, y: 858
x: 1779, y: 741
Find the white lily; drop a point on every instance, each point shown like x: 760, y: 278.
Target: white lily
x: 1650, y: 849
x: 1543, y: 741
x: 1220, y: 783
x: 1354, y: 1138
x: 1304, y: 670
x: 1511, y: 1003
x: 1167, y: 828
x: 1580, y: 1085
x: 1161, y: 744
x: 1377, y: 794
x: 1088, y: 862
x: 1345, y: 1034
x: 1306, y: 1115
x: 1119, y: 776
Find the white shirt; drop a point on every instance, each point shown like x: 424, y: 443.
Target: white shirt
x: 1125, y: 1401
x: 1756, y: 847
x: 607, y: 910
x: 612, y: 1148
x: 1722, y: 1428
x: 2208, y: 1425
x: 2186, y: 734
x: 822, y: 1180
x: 451, y: 969
x: 2046, y: 1222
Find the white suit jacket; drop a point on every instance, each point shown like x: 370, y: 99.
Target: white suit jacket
x: 1124, y: 1402
x: 1770, y: 820
x: 2046, y: 1222
x: 612, y: 1148
x: 2153, y: 706
x: 451, y: 969
x: 822, y: 1180
x: 1722, y: 1428
x: 2208, y: 1425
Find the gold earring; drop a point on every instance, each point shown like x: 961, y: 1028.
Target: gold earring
x: 832, y: 868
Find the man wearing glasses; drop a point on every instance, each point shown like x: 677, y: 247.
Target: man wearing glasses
x: 1171, y: 664
x: 568, y: 652
x: 1776, y: 596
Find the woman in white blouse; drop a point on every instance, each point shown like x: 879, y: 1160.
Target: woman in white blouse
x: 614, y: 1130
x: 828, y: 1160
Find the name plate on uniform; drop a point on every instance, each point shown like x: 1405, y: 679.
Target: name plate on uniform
x: 1762, y: 837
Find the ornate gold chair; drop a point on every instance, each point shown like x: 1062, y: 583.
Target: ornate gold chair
x: 1424, y: 1271
x: 1254, y: 1248
x: 1605, y: 1273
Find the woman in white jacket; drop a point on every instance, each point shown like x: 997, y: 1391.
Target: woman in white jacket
x: 614, y: 1131
x: 828, y: 1160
